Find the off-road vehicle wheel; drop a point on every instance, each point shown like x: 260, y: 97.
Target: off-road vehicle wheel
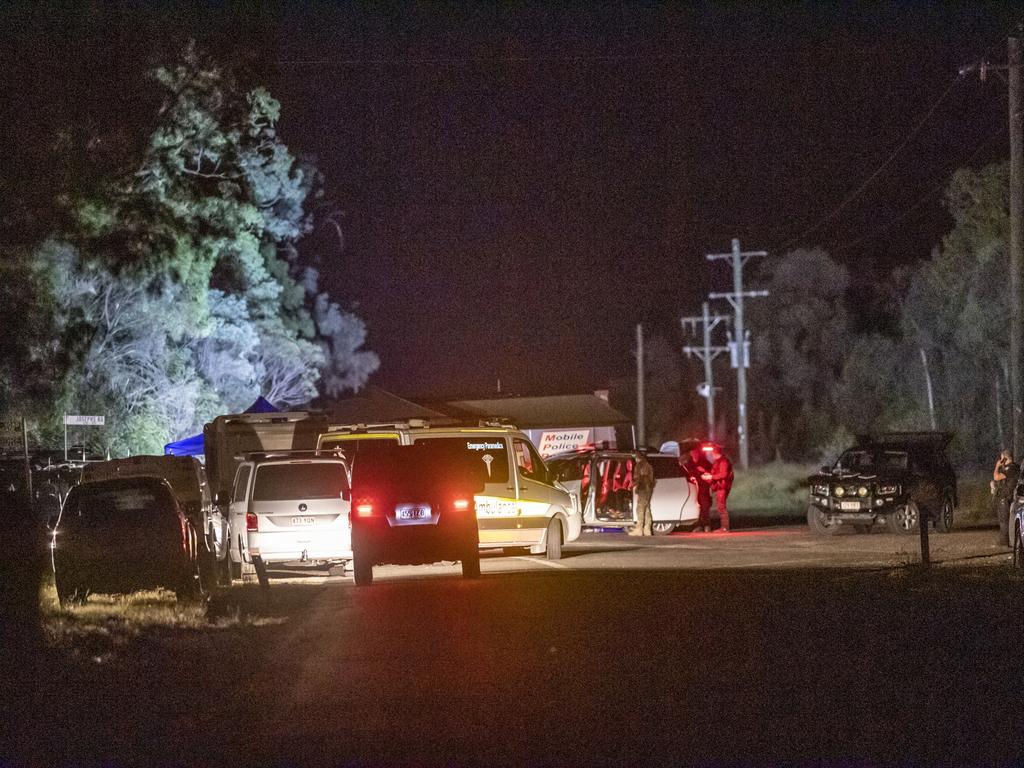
x: 362, y: 570
x: 904, y: 520
x: 819, y: 523
x: 944, y: 520
x: 1018, y: 550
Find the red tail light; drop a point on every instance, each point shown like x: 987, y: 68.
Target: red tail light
x: 364, y: 509
x: 461, y: 504
x: 252, y: 522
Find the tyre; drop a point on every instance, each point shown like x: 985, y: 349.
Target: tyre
x: 944, y: 520
x: 904, y: 520
x: 261, y: 572
x: 553, y: 550
x: 663, y: 529
x: 362, y: 570
x: 471, y: 565
x: 819, y: 523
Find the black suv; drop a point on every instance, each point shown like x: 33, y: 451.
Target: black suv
x: 891, y: 478
x: 414, y: 504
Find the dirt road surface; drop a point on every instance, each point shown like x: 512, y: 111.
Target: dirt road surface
x: 748, y: 648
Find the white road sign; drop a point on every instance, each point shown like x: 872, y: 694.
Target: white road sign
x: 83, y: 421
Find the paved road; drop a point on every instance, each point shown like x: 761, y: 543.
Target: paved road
x: 752, y: 648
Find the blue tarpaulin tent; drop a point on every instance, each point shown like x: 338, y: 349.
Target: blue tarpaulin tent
x: 193, y: 446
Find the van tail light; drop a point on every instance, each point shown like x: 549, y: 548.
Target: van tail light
x: 364, y: 508
x: 461, y: 504
x: 252, y: 522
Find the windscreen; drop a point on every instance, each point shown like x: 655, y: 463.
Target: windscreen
x: 872, y: 461
x: 312, y: 480
x: 437, y: 461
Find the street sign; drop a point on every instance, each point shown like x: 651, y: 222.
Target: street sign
x: 83, y: 421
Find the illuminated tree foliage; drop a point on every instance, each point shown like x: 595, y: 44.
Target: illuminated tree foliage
x: 178, y: 287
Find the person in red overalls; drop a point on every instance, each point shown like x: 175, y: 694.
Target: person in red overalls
x: 720, y: 479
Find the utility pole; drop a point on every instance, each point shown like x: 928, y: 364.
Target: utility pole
x: 707, y: 353
x: 1016, y: 216
x: 741, y: 337
x: 641, y: 436
x: 1016, y: 254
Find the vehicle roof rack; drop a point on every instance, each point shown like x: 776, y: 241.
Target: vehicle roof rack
x: 327, y: 453
x: 366, y: 426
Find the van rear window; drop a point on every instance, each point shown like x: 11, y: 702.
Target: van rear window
x: 283, y: 482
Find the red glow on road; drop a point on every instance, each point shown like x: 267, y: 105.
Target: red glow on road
x: 761, y: 533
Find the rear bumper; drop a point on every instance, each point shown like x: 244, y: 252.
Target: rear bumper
x: 414, y: 544
x: 288, y: 547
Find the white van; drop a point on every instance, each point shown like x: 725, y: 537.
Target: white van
x: 522, y: 504
x: 290, y: 507
x: 603, y: 479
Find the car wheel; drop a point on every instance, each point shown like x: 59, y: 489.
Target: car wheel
x: 553, y: 550
x: 261, y: 572
x: 944, y: 521
x: 471, y: 565
x: 905, y: 519
x: 362, y: 570
x: 819, y: 523
x: 663, y: 529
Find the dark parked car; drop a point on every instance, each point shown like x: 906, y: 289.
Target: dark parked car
x: 122, y: 535
x: 414, y: 504
x: 892, y: 478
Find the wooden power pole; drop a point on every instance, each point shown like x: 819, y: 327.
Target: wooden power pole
x: 1016, y: 242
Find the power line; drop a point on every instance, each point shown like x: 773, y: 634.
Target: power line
x: 845, y: 246
x: 876, y: 173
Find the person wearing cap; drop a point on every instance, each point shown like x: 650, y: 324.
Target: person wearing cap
x: 720, y: 480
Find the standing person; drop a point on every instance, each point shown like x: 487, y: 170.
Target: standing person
x: 720, y: 478
x: 696, y: 467
x: 643, y: 484
x: 1004, y: 480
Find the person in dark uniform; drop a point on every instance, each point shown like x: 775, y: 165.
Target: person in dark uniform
x: 1004, y: 481
x: 695, y: 467
x: 643, y: 484
x: 720, y: 479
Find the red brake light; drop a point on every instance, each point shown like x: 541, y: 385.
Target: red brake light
x: 461, y: 504
x: 252, y: 522
x: 364, y: 509
x: 707, y: 448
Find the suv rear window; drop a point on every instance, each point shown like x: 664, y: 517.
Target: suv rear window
x: 433, y: 460
x: 665, y: 466
x: 314, y: 480
x: 99, y: 501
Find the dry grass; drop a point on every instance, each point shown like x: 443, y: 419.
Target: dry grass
x: 773, y: 488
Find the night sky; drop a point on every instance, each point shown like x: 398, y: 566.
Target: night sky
x: 520, y: 186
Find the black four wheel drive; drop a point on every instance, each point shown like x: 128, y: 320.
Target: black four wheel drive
x: 896, y: 479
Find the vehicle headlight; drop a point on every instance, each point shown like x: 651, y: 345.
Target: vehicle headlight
x: 862, y: 491
x: 840, y: 491
x: 819, y: 490
x: 888, y: 490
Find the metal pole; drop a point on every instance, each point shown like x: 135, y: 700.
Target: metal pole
x: 708, y: 374
x: 28, y: 462
x: 1016, y: 241
x: 65, y: 437
x: 641, y: 433
x: 741, y: 356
